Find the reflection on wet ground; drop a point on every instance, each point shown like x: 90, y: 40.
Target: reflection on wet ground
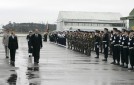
x: 60, y: 66
x: 12, y: 79
x: 30, y: 74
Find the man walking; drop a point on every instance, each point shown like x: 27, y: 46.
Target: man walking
x: 5, y: 43
x: 12, y: 45
x: 36, y: 42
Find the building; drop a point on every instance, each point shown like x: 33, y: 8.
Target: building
x: 131, y: 19
x: 88, y: 21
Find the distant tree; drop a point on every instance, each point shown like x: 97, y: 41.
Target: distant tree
x: 26, y: 27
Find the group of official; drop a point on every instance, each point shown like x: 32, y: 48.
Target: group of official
x: 58, y: 37
x: 10, y: 42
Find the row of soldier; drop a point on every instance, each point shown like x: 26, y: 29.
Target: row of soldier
x: 118, y: 43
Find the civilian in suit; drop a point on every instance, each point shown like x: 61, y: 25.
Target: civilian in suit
x: 30, y: 50
x: 13, y: 45
x: 5, y: 42
x: 36, y: 42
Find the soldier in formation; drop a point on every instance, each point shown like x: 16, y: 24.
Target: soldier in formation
x: 80, y: 41
x: 118, y: 43
x: 97, y: 43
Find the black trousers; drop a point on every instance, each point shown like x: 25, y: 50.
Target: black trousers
x: 45, y: 38
x: 12, y: 54
x: 97, y: 50
x: 131, y: 57
x: 116, y: 53
x: 30, y: 49
x: 105, y: 51
x: 111, y: 49
x: 125, y: 54
x: 122, y: 55
x: 36, y: 54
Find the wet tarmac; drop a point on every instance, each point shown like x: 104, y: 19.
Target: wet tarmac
x: 60, y: 66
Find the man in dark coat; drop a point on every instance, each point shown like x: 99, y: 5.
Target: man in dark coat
x: 13, y: 45
x: 36, y: 42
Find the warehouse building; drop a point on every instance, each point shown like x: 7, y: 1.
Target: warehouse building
x: 89, y: 21
x: 131, y: 19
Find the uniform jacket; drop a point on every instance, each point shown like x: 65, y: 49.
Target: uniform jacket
x: 97, y: 40
x: 106, y: 39
x: 125, y: 41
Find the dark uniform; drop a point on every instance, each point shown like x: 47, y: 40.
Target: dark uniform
x: 121, y: 50
x: 131, y: 51
x: 101, y: 42
x: 125, y: 50
x: 111, y: 43
x: 113, y: 38
x: 105, y: 44
x: 97, y: 44
x: 116, y: 50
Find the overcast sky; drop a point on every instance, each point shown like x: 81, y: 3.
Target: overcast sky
x: 41, y: 11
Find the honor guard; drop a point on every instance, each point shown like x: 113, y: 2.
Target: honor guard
x: 105, y: 43
x: 125, y: 48
x: 116, y: 46
x: 97, y: 43
x: 131, y: 49
x: 121, y: 47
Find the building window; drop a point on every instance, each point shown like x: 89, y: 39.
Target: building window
x: 94, y: 24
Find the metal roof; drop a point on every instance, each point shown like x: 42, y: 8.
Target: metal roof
x: 88, y: 15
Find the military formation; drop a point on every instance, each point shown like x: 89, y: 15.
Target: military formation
x: 118, y: 43
x: 80, y: 41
